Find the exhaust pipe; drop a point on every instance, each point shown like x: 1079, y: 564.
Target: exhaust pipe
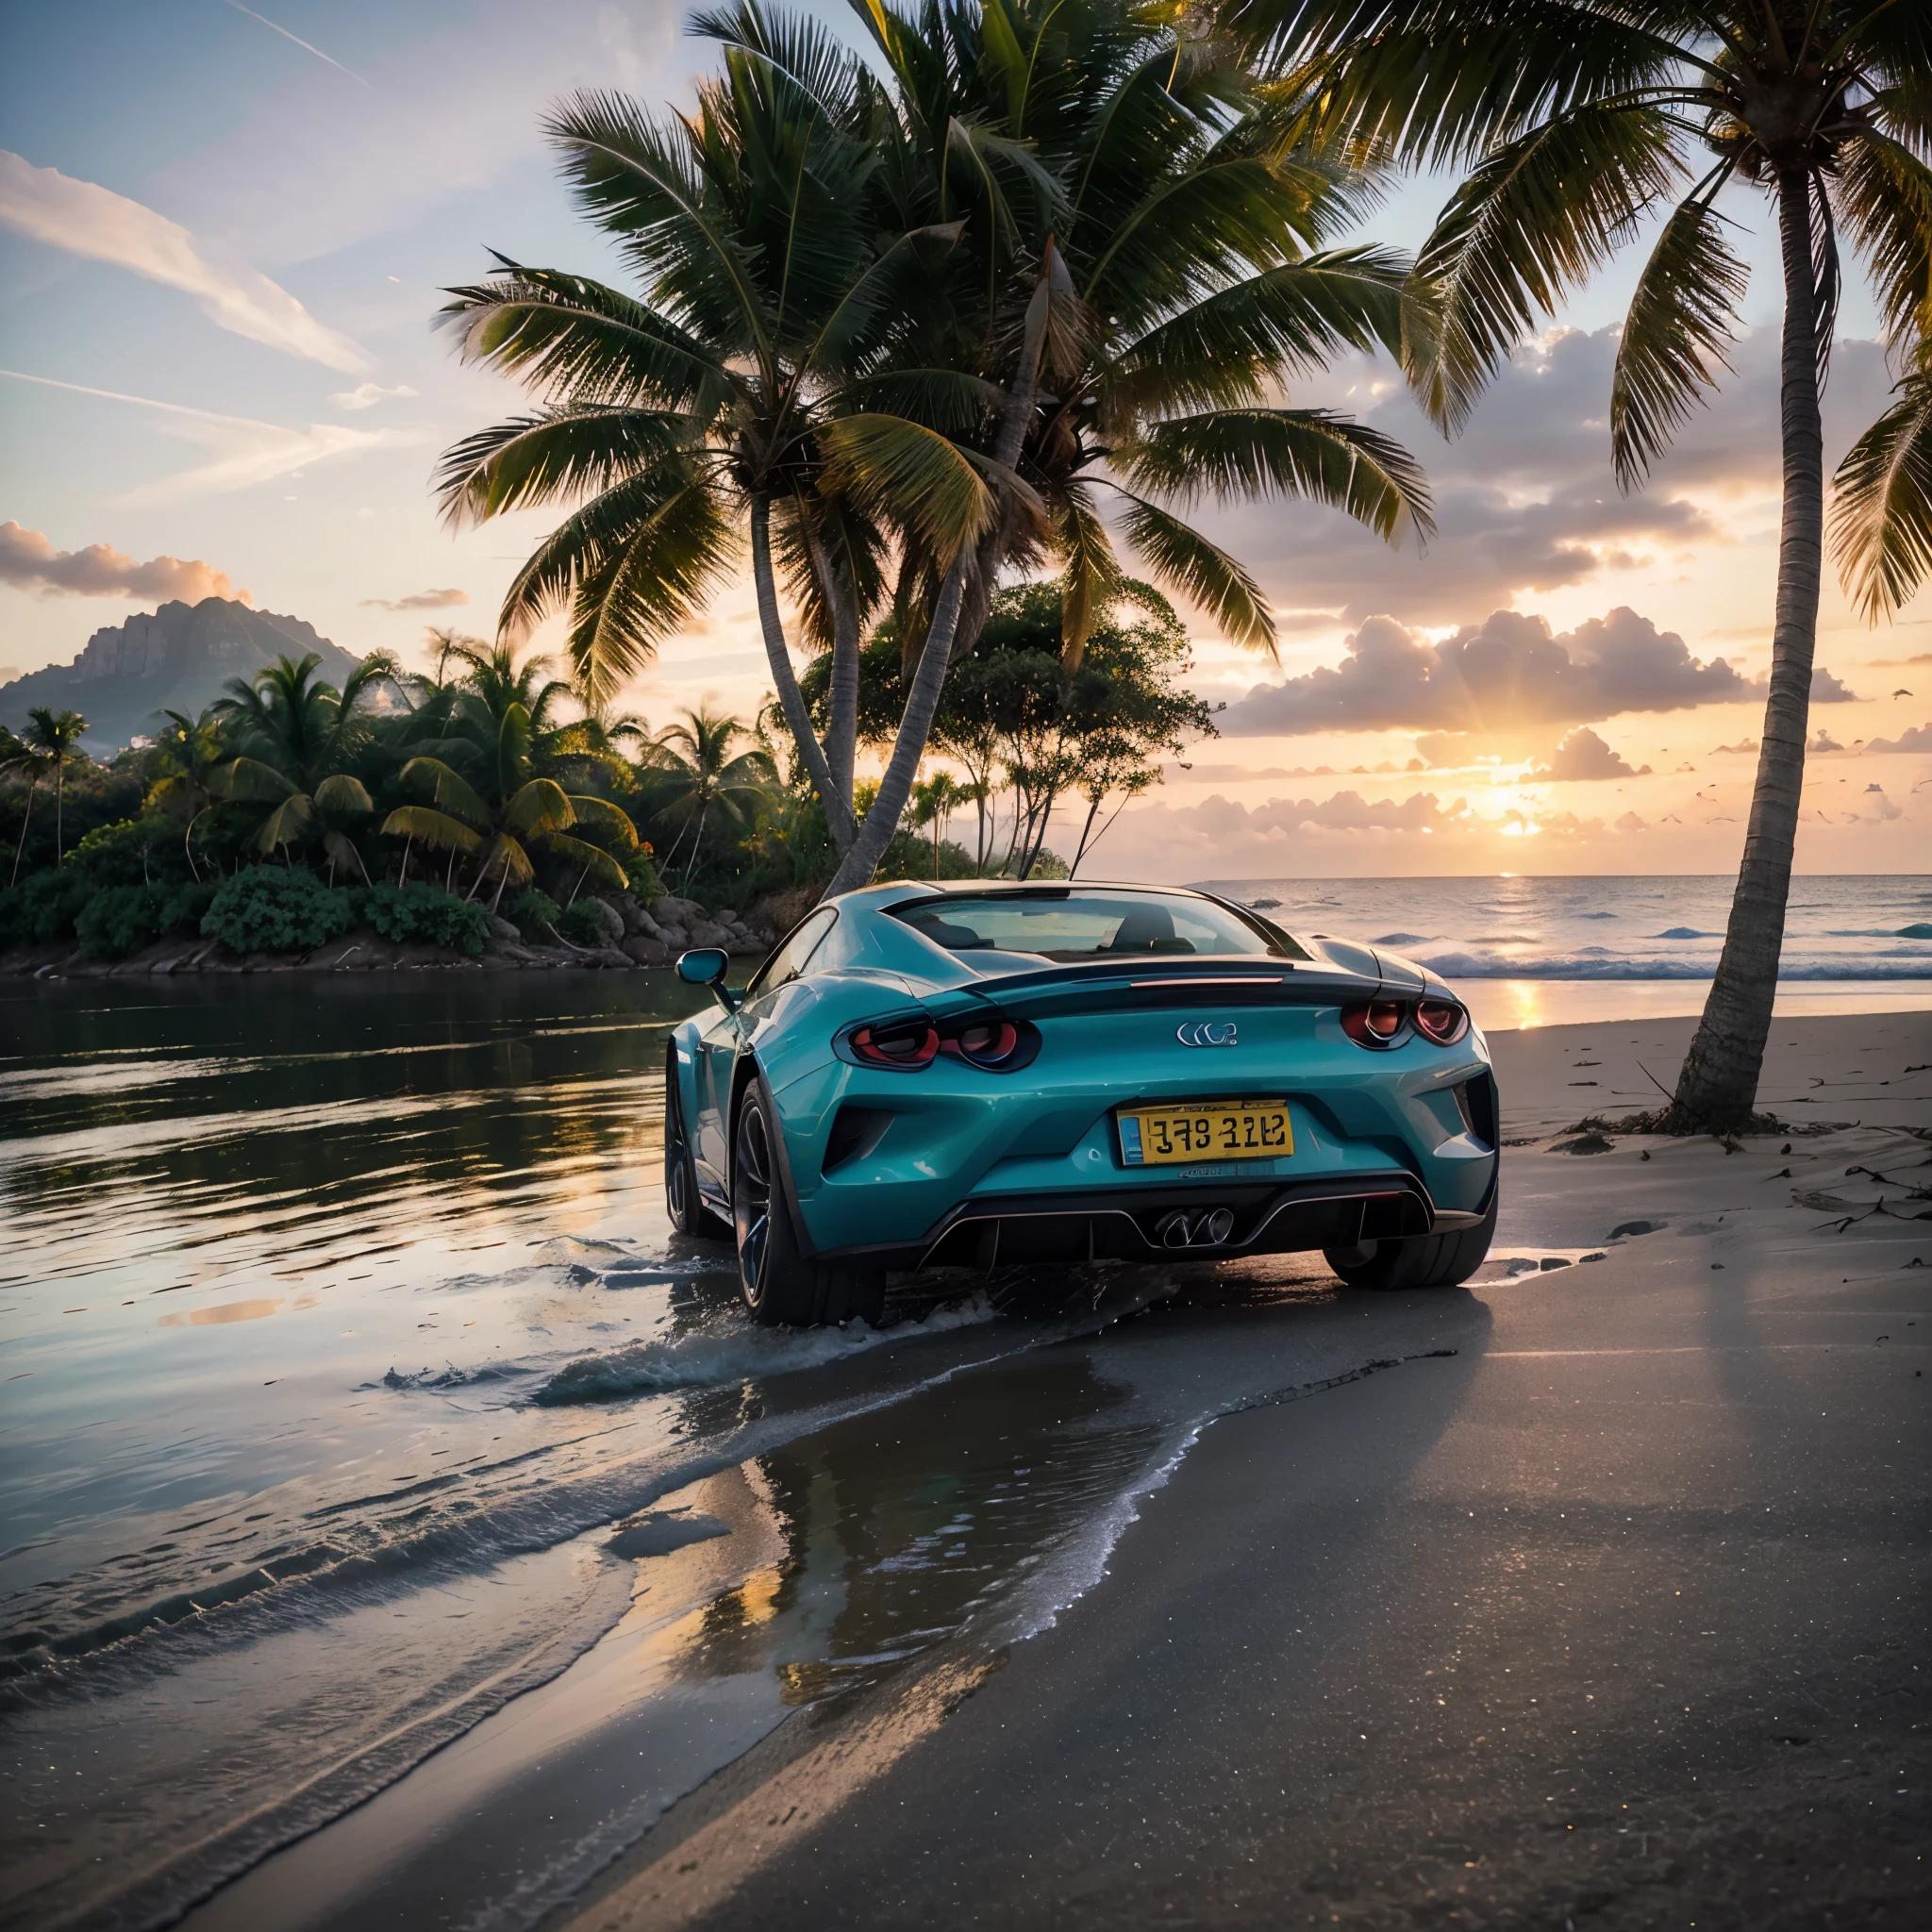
x: 1209, y: 1228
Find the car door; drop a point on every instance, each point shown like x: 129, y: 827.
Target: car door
x: 721, y: 1040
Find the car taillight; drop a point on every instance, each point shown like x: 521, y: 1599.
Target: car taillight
x: 908, y: 1047
x: 985, y: 1042
x: 1374, y: 1023
x: 1441, y: 1021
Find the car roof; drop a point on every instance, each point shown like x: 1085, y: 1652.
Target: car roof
x: 897, y: 889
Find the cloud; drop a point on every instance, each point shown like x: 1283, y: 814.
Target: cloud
x: 367, y: 394
x: 1582, y: 756
x: 1826, y: 689
x: 29, y: 561
x: 1914, y: 738
x: 90, y: 221
x: 420, y: 600
x: 246, y: 452
x: 1506, y: 673
x: 1526, y: 498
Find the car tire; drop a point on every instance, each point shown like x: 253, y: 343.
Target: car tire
x: 682, y: 1201
x: 779, y: 1285
x: 1429, y: 1261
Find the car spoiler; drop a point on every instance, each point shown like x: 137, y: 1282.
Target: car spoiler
x: 1086, y: 988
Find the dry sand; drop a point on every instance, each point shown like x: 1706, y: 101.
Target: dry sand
x: 1615, y: 1619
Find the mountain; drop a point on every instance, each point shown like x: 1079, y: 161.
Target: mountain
x: 178, y: 659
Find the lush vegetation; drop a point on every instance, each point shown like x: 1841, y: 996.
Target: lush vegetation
x: 1019, y: 285
x: 422, y: 806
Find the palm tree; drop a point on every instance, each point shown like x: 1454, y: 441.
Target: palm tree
x: 1881, y: 524
x: 190, y: 751
x: 292, y: 736
x: 703, y: 775
x: 933, y: 803
x: 19, y: 759
x: 1162, y: 281
x: 56, y: 737
x: 714, y: 405
x: 1577, y: 118
x: 511, y: 811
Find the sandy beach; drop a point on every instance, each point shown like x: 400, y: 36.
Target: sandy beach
x: 1592, y: 1593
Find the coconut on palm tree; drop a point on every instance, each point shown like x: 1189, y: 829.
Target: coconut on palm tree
x: 1576, y: 120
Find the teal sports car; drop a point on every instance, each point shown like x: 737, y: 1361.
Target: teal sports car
x: 983, y: 1074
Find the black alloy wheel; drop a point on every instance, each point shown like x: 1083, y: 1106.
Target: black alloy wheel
x: 1428, y: 1260
x: 682, y: 1201
x: 779, y: 1283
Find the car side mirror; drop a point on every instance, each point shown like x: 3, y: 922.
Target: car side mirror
x: 707, y: 966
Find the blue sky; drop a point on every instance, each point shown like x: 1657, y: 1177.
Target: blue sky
x: 221, y: 249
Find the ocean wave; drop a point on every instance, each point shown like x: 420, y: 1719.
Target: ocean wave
x: 1888, y: 932
x: 1895, y: 964
x: 733, y: 1352
x: 1686, y: 932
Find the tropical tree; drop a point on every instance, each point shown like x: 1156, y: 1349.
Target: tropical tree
x: 711, y: 406
x: 19, y: 759
x: 700, y: 774
x: 934, y: 800
x: 510, y: 812
x: 896, y: 314
x: 292, y: 737
x: 54, y: 736
x: 1576, y: 120
x: 188, y: 754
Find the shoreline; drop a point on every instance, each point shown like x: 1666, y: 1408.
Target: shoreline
x: 1712, y: 1384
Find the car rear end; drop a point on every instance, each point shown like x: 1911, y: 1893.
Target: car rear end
x: 1301, y: 1095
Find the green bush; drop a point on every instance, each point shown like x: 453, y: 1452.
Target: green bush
x: 533, y: 913
x: 589, y: 923
x: 43, y: 906
x: 427, y: 913
x: 277, y: 908
x: 133, y: 852
x: 124, y: 919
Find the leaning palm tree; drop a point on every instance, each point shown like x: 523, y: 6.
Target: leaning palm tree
x: 55, y: 736
x: 1576, y: 120
x: 702, y: 776
x: 292, y: 737
x: 509, y: 813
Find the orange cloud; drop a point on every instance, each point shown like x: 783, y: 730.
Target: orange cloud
x: 29, y: 561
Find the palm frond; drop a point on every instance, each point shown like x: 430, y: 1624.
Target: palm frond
x: 344, y: 795
x: 1091, y: 577
x: 448, y: 790
x: 1310, y: 452
x: 1885, y: 195
x: 1881, y: 521
x: 540, y: 806
x: 1181, y: 557
x: 597, y: 862
x: 557, y: 456
x: 566, y: 335
x: 250, y: 778
x: 911, y: 476
x: 437, y: 829
x: 600, y: 813
x: 1531, y: 222
x: 1682, y: 318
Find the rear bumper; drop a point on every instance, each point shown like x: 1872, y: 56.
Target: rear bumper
x: 1269, y: 1218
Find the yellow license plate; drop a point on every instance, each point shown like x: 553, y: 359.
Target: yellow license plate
x: 1206, y: 1130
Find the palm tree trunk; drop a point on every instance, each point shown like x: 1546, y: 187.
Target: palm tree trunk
x: 935, y: 660
x: 60, y: 790
x: 25, y: 820
x: 791, y: 699
x: 1717, y: 1087
x: 1086, y: 832
x: 842, y: 729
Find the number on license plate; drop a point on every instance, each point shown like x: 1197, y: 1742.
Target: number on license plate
x: 1238, y: 1130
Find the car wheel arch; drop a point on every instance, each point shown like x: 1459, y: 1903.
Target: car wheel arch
x: 743, y: 1076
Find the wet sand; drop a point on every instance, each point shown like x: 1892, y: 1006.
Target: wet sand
x: 1616, y: 1617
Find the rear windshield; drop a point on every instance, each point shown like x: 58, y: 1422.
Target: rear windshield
x: 1069, y: 923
